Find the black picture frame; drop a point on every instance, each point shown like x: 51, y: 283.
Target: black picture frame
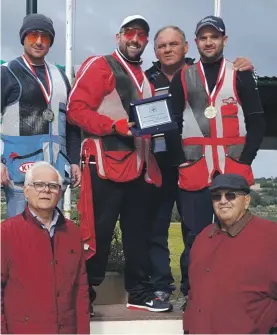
x: 134, y: 116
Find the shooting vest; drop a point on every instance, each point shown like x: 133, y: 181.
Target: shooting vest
x: 32, y: 129
x: 122, y: 158
x: 215, y: 143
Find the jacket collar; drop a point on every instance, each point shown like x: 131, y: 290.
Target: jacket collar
x: 28, y: 216
x: 235, y: 229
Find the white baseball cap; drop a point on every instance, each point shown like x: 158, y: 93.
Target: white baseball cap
x: 132, y: 18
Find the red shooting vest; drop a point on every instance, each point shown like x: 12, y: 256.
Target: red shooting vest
x: 211, y: 144
x: 117, y: 158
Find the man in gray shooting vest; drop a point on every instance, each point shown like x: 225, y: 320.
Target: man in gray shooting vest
x: 33, y: 114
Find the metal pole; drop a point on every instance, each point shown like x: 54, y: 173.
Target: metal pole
x: 69, y: 74
x: 217, y: 7
x: 31, y: 6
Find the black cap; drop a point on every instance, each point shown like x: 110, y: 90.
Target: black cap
x: 36, y: 22
x: 230, y: 181
x: 213, y: 21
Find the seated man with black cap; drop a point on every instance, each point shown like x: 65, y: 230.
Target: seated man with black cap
x: 33, y: 100
x: 232, y: 272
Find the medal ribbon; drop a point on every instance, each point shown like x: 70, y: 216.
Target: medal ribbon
x: 140, y: 88
x: 46, y: 93
x: 212, y: 96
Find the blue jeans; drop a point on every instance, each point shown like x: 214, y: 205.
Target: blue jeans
x: 15, y: 200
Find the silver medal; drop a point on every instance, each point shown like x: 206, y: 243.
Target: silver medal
x: 48, y: 115
x: 210, y: 112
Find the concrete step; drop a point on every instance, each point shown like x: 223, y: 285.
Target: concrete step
x: 117, y: 319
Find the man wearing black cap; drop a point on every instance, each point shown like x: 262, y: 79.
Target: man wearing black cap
x: 120, y: 171
x: 221, y: 123
x: 233, y: 272
x: 33, y: 99
x: 171, y: 47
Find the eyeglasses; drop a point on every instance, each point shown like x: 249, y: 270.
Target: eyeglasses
x: 40, y: 186
x: 33, y: 36
x: 130, y: 33
x: 229, y: 196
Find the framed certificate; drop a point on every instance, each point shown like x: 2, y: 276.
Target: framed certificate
x: 152, y: 115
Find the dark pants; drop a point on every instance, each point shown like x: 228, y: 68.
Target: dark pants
x: 165, y: 197
x: 131, y: 201
x: 197, y: 213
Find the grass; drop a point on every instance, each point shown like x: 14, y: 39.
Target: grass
x: 176, y: 247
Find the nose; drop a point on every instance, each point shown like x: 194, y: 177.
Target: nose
x: 208, y: 41
x: 47, y: 189
x: 135, y: 38
x: 167, y: 48
x: 39, y: 40
x: 223, y: 200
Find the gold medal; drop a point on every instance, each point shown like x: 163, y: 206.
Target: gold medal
x: 210, y: 112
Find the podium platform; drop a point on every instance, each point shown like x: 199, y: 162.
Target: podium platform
x: 117, y: 319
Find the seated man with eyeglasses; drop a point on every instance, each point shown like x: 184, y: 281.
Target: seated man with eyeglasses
x: 43, y: 274
x: 233, y: 267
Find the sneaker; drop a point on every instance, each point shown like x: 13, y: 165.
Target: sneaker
x: 164, y: 296
x: 151, y: 305
x: 184, y: 306
x: 92, y: 297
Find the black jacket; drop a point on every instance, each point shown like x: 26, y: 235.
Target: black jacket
x: 157, y: 78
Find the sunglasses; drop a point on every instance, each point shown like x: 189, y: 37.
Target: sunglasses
x: 130, y: 33
x: 229, y: 196
x: 33, y: 36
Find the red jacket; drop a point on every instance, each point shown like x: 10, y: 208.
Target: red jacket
x: 233, y: 280
x: 44, y: 289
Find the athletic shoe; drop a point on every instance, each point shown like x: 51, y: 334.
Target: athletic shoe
x: 152, y: 304
x: 92, y: 297
x: 164, y: 296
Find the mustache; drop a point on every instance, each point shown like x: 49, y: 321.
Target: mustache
x: 133, y: 44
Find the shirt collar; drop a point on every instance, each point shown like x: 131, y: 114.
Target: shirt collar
x: 55, y: 217
x: 235, y: 229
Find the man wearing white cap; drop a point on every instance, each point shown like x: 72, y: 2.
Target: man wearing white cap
x: 120, y: 173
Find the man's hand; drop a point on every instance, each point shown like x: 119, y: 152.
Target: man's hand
x: 243, y: 64
x: 76, y: 175
x: 122, y: 127
x: 5, y: 180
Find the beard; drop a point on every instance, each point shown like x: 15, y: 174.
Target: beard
x: 134, y: 55
x: 206, y: 58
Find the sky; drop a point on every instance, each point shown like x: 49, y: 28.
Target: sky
x: 249, y: 25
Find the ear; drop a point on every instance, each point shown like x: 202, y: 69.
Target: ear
x: 25, y: 190
x: 225, y: 39
x: 247, y: 201
x: 117, y: 36
x: 186, y: 48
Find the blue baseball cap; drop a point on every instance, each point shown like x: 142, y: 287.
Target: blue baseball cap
x: 213, y: 21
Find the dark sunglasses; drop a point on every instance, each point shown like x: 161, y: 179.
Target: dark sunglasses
x: 130, y: 33
x: 229, y: 196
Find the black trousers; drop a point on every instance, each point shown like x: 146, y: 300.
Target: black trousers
x: 197, y: 213
x: 131, y: 201
x: 161, y: 275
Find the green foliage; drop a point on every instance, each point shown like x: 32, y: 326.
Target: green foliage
x: 116, y: 259
x: 175, y: 217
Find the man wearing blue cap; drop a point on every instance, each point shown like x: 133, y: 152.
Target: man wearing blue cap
x: 33, y: 99
x: 221, y: 123
x: 232, y: 272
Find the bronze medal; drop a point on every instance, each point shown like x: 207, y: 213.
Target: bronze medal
x: 48, y: 115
